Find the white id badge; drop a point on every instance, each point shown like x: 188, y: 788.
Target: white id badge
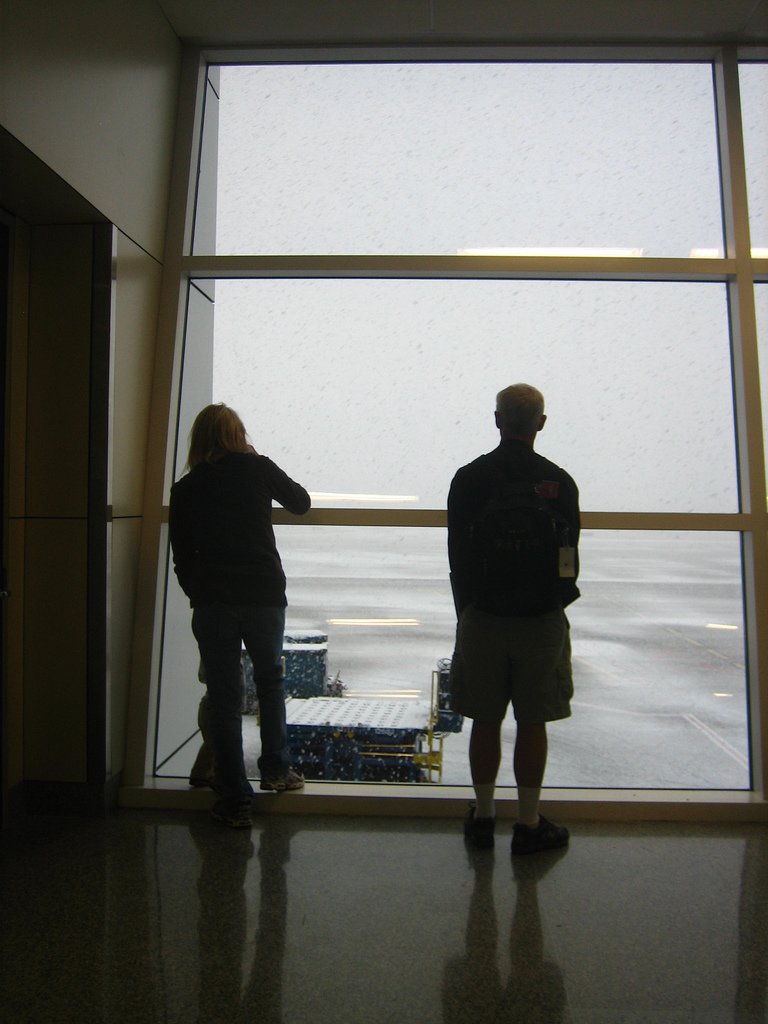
x: 568, y: 562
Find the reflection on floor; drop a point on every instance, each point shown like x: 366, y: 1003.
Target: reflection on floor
x: 158, y: 916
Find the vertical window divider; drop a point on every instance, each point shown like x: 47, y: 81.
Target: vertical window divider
x: 747, y: 405
x: 150, y: 605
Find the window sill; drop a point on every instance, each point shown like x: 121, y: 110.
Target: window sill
x: 380, y: 800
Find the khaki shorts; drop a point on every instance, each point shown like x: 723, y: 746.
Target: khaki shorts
x: 525, y: 661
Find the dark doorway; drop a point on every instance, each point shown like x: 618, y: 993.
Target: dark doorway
x: 5, y: 247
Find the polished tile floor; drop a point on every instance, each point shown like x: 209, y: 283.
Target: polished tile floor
x: 165, y: 917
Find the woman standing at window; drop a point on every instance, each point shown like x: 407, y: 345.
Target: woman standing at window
x: 225, y: 557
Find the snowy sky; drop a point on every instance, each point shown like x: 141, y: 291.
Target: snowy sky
x: 388, y: 386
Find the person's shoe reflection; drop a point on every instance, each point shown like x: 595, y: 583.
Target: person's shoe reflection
x: 535, y: 989
x: 262, y: 1000
x: 472, y: 986
x: 222, y: 920
x: 222, y: 926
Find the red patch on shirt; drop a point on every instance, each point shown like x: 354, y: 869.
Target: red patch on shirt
x: 549, y: 488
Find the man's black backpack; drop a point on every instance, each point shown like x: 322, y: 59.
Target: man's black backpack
x: 516, y: 545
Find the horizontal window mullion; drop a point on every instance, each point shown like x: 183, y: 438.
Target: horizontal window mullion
x: 659, y: 53
x: 738, y: 522
x: 597, y: 268
x: 431, y: 517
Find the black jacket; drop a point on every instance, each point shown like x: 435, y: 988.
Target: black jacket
x: 221, y: 530
x: 472, y: 488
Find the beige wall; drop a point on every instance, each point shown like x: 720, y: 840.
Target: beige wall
x: 137, y: 296
x: 49, y: 517
x: 90, y: 87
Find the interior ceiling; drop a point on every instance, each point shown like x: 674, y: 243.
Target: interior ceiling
x: 254, y: 22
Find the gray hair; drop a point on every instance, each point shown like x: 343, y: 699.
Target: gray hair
x: 520, y: 408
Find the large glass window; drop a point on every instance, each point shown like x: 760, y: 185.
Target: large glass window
x: 371, y: 381
x: 438, y: 158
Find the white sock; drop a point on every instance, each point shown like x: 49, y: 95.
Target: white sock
x: 485, y: 807
x: 528, y: 805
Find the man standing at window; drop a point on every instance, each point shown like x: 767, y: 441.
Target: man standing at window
x: 513, y: 532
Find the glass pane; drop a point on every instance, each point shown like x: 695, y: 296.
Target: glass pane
x: 658, y: 648
x: 205, y: 200
x: 761, y: 313
x: 385, y: 388
x: 180, y: 694
x: 658, y: 644
x: 753, y: 81
x: 439, y: 158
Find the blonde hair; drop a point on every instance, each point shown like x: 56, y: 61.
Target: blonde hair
x: 216, y: 432
x: 520, y: 408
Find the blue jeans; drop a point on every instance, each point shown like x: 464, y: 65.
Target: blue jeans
x: 220, y: 631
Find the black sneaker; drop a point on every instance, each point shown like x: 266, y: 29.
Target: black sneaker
x: 479, y: 831
x: 545, y: 836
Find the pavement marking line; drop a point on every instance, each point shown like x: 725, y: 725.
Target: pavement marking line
x: 626, y: 711
x: 676, y: 632
x: 373, y: 622
x: 692, y: 719
x: 718, y: 740
x: 376, y: 695
x: 598, y: 668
